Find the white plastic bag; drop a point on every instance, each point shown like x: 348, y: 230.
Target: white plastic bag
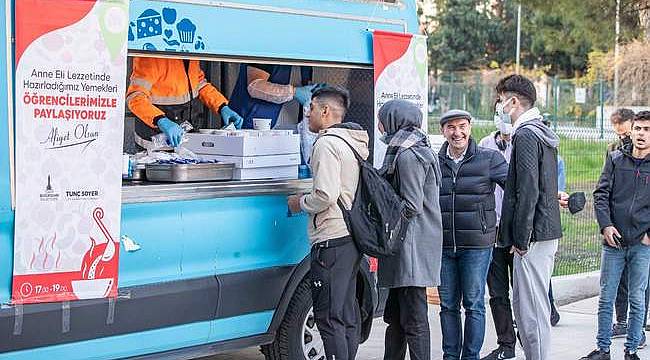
x: 307, y: 138
x: 159, y: 141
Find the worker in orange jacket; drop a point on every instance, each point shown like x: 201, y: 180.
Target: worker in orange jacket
x: 159, y: 95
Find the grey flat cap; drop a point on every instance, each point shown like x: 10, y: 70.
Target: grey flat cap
x: 455, y: 114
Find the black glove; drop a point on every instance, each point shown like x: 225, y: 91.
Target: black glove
x: 577, y: 202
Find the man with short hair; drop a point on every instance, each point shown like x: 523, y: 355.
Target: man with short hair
x: 530, y: 219
x: 621, y: 121
x: 334, y: 255
x: 469, y: 176
x: 622, y: 205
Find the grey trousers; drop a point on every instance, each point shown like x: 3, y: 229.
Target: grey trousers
x: 532, y: 309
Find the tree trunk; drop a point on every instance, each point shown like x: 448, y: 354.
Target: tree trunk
x: 644, y: 18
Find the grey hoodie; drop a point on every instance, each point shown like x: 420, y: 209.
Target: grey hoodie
x: 543, y: 132
x: 532, y: 120
x: 335, y: 173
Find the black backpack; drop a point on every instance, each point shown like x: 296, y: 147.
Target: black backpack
x: 376, y: 220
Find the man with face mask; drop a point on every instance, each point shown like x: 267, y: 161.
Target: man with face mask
x: 621, y: 121
x: 530, y: 218
x: 500, y: 271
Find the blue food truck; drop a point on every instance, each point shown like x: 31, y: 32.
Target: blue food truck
x: 218, y: 265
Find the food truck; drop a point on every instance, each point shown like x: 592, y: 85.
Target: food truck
x: 101, y: 260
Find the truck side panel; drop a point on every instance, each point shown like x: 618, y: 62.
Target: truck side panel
x: 329, y: 30
x: 152, y: 341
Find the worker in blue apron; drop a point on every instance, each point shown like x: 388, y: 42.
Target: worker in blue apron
x: 267, y: 92
x: 262, y: 91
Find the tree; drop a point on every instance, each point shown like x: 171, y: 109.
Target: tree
x: 460, y: 41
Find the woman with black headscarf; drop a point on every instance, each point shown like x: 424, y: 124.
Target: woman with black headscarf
x: 412, y: 168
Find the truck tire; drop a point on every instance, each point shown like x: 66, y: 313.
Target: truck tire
x: 297, y: 338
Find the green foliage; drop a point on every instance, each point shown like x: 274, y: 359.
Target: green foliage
x: 558, y: 35
x: 460, y: 41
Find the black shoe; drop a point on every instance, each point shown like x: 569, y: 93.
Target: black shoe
x: 619, y: 330
x: 555, y: 316
x: 631, y: 356
x: 597, y: 355
x: 502, y: 353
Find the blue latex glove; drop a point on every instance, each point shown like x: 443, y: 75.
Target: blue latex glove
x: 229, y: 115
x: 303, y: 94
x: 173, y: 131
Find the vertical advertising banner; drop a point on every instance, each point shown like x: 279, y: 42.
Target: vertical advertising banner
x: 400, y: 62
x: 70, y: 86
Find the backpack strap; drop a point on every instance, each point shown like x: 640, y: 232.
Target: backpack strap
x: 356, y: 154
x: 339, y: 202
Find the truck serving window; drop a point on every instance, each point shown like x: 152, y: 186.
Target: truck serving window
x: 266, y: 89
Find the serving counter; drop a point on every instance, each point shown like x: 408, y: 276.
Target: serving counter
x: 147, y: 192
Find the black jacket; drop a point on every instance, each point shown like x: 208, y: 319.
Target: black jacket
x: 531, y: 211
x: 467, y: 196
x: 622, y: 196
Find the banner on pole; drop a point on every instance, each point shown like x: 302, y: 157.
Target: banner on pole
x: 70, y: 86
x: 400, y: 63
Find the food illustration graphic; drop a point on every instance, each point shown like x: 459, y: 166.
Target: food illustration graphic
x: 99, y: 265
x: 165, y: 29
x: 149, y: 24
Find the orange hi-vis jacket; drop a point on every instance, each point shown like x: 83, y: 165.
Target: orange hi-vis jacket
x: 160, y: 81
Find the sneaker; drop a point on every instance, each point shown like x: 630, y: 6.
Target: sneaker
x: 597, y: 355
x: 502, y: 353
x: 631, y: 356
x: 555, y: 316
x: 619, y: 330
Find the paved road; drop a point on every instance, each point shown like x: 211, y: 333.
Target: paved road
x: 572, y: 338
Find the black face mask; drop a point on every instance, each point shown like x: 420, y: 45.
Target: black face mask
x: 501, y: 144
x: 626, y: 141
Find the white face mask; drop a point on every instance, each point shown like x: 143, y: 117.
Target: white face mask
x: 505, y: 129
x: 506, y: 118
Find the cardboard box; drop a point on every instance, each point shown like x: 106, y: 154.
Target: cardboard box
x: 210, y: 144
x: 275, y: 172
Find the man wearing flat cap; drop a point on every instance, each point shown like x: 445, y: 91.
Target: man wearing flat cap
x: 469, y: 176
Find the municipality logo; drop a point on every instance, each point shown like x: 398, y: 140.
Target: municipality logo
x: 49, y: 194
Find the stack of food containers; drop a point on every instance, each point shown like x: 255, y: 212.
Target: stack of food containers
x: 257, y: 154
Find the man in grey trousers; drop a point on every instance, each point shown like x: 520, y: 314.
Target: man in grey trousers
x: 530, y: 220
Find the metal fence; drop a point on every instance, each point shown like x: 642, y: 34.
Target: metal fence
x: 580, y: 247
x: 572, y: 108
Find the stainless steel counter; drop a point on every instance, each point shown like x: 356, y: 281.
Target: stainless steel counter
x: 147, y: 192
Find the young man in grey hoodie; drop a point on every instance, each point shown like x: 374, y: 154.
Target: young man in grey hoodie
x: 530, y: 218
x: 334, y: 255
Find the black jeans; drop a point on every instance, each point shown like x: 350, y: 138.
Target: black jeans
x: 408, y: 324
x: 621, y: 303
x: 334, y: 268
x: 499, y: 280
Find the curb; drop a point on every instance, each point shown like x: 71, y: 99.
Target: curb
x: 572, y: 288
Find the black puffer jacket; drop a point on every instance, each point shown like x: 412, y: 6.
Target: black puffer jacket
x: 622, y: 196
x: 531, y: 211
x: 467, y: 196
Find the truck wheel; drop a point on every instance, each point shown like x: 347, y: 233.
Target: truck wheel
x: 297, y: 337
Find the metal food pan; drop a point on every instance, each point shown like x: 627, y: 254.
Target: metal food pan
x: 189, y: 172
